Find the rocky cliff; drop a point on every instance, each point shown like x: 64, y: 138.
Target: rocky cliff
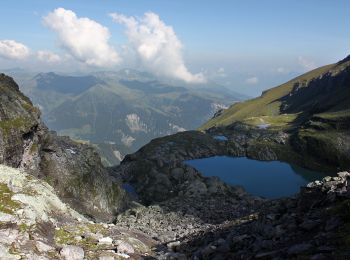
x: 74, y: 169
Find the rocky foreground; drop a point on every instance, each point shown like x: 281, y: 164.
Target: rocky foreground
x: 36, y: 224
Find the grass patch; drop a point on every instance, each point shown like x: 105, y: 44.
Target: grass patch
x: 18, y: 123
x: 34, y: 148
x: 279, y: 121
x: 23, y: 227
x: 7, y: 205
x: 30, y: 108
x: 63, y: 237
x: 343, y: 114
x: 66, y: 235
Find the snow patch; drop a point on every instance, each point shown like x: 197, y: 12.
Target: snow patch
x: 135, y: 124
x: 263, y: 126
x: 217, y: 106
x: 118, y: 155
x: 127, y: 140
x: 177, y: 128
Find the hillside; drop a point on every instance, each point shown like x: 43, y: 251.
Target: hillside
x: 316, y: 93
x: 312, y: 111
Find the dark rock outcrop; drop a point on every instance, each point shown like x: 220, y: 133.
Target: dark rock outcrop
x: 158, y: 172
x: 313, y: 225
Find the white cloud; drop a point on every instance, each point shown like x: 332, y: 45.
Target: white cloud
x: 48, y: 56
x: 10, y: 49
x: 306, y: 63
x: 252, y: 80
x: 157, y: 46
x: 281, y: 70
x: 85, y: 39
x: 221, y: 73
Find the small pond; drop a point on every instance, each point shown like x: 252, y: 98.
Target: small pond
x: 269, y: 179
x: 220, y: 137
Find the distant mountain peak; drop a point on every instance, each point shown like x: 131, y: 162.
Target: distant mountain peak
x: 66, y: 84
x: 344, y: 60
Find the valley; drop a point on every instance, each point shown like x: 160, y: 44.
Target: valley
x: 119, y: 112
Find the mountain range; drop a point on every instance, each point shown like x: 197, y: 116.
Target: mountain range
x: 118, y: 112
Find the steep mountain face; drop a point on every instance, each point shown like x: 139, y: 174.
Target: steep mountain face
x: 121, y: 111
x: 74, y: 169
x: 313, y: 109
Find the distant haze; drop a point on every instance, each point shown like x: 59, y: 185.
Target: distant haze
x: 247, y: 46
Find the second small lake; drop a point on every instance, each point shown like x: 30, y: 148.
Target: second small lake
x: 269, y: 179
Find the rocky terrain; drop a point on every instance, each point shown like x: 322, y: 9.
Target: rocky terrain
x: 36, y: 224
x: 312, y: 225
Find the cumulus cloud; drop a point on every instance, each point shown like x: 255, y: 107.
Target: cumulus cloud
x: 157, y: 46
x: 84, y: 39
x: 48, y: 56
x: 252, y: 80
x: 306, y: 63
x: 10, y: 49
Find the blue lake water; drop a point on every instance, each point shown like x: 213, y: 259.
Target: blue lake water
x: 129, y: 189
x: 269, y: 179
x: 220, y: 138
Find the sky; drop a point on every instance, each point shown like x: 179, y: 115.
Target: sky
x: 246, y: 45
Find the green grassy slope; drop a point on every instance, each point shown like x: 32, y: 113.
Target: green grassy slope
x: 325, y: 89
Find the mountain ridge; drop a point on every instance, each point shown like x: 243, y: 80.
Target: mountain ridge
x: 105, y: 109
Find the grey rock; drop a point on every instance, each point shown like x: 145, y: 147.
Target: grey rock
x: 42, y: 247
x: 124, y: 247
x: 299, y: 248
x: 72, y: 253
x: 309, y: 224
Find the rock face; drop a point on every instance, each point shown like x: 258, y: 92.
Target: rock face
x: 74, y: 169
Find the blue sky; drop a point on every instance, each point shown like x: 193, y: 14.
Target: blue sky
x: 247, y: 45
